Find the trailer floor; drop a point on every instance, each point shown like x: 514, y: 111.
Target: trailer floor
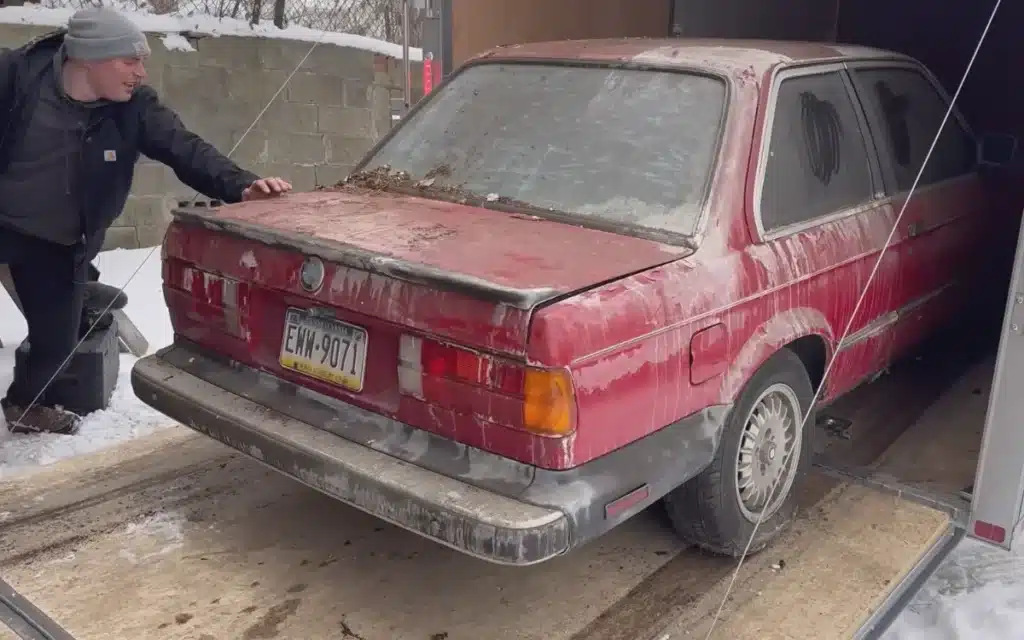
x: 175, y: 536
x: 843, y: 559
x: 940, y: 452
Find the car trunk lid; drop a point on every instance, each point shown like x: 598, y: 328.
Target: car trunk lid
x: 467, y: 274
x: 516, y: 259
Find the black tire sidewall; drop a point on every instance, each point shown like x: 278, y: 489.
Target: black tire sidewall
x: 783, y: 367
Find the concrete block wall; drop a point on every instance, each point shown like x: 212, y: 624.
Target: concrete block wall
x: 331, y: 111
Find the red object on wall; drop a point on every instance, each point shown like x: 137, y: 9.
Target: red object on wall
x: 428, y: 73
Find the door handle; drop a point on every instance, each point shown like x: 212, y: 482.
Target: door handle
x: 912, y: 229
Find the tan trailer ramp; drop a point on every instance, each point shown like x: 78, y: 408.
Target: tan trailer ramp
x: 860, y: 554
x: 176, y: 536
x: 857, y: 555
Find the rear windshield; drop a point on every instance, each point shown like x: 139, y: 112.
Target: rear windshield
x: 625, y: 146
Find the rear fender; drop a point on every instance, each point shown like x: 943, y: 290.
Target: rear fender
x: 768, y: 339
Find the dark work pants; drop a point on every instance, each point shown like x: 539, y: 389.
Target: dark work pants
x: 49, y: 280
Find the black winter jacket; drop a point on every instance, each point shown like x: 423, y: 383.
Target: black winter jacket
x: 140, y: 126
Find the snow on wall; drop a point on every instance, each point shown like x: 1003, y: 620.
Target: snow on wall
x: 173, y: 27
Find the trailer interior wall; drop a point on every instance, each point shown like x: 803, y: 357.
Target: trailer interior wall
x: 478, y: 25
x: 766, y: 19
x: 940, y: 34
x: 943, y: 36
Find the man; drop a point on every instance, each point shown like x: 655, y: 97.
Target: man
x: 76, y: 118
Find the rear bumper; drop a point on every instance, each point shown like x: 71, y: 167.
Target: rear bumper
x: 471, y: 520
x: 476, y: 502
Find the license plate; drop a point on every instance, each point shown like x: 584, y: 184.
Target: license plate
x: 324, y: 349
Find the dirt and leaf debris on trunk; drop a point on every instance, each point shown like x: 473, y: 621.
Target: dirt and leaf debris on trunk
x: 384, y: 178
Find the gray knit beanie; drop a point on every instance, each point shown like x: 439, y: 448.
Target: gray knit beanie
x: 102, y: 34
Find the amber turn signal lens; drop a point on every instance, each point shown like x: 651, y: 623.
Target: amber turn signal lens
x: 548, y: 403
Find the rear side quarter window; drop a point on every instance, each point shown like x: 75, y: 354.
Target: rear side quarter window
x: 905, y: 110
x: 817, y: 161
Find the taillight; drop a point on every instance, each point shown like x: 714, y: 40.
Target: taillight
x: 211, y: 298
x: 546, y: 395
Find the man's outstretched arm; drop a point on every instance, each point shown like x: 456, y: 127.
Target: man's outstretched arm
x: 196, y: 162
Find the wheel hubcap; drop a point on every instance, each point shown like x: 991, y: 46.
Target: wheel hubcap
x: 769, y: 450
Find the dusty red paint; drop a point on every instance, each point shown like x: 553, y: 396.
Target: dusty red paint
x: 633, y: 343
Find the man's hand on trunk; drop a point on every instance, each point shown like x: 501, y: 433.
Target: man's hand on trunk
x: 266, y: 188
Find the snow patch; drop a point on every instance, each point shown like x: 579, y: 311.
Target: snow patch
x: 177, y: 42
x: 154, y: 536
x: 248, y: 260
x: 66, y: 558
x: 166, y: 527
x: 127, y: 417
x: 977, y: 594
x: 33, y: 14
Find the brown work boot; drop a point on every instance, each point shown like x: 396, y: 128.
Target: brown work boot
x: 40, y: 419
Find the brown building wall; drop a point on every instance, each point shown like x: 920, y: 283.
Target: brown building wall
x: 478, y: 25
x: 943, y: 38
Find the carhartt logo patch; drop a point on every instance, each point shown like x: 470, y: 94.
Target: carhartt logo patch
x: 110, y: 155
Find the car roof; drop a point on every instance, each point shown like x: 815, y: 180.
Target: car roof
x: 725, y: 56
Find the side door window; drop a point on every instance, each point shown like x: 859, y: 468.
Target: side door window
x: 818, y: 163
x: 905, y: 110
x: 941, y: 227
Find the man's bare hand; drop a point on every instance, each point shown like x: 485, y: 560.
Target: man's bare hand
x: 266, y: 188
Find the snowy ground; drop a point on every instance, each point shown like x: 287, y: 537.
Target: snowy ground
x: 127, y: 417
x: 978, y: 594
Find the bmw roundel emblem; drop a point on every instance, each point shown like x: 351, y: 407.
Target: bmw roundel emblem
x: 311, y: 277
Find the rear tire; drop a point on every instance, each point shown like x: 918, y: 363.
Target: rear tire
x: 718, y: 509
